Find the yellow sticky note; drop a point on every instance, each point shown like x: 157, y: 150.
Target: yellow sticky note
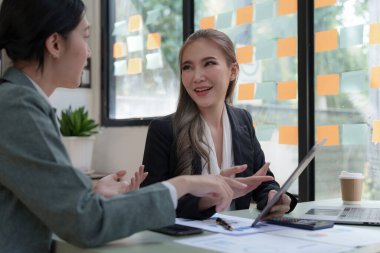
x: 154, y: 41
x: 134, y: 66
x: 244, y: 15
x: 287, y: 47
x: 330, y: 132
x: 287, y: 90
x: 207, y: 22
x: 135, y: 23
x: 326, y: 40
x: 288, y: 135
x: 119, y: 49
x: 286, y: 7
x: 328, y: 84
x: 374, y: 33
x: 376, y: 131
x: 246, y: 91
x: 323, y: 3
x: 244, y: 54
x: 375, y: 77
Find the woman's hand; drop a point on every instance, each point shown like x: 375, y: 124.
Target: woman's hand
x: 253, y: 181
x: 280, y: 208
x: 112, y: 185
x: 214, y: 187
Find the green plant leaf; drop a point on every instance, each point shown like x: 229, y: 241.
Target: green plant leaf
x: 77, y: 123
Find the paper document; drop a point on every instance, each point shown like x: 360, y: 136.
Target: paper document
x: 261, y: 242
x: 241, y: 226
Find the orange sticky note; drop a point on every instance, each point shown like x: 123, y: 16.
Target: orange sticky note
x: 323, y: 3
x: 134, y: 66
x: 207, y: 22
x: 288, y: 135
x: 330, y: 132
x: 328, y: 84
x: 244, y: 54
x: 286, y: 7
x: 119, y: 49
x: 135, y: 23
x: 287, y: 90
x: 287, y: 47
x: 246, y: 91
x: 244, y: 15
x: 374, y: 33
x: 375, y: 77
x: 154, y: 40
x: 326, y: 40
x: 376, y: 131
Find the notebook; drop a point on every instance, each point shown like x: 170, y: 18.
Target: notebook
x: 296, y: 173
x: 355, y: 215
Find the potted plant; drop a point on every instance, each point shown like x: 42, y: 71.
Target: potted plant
x: 78, y: 130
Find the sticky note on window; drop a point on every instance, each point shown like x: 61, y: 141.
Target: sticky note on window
x: 152, y: 16
x: 288, y: 135
x: 328, y: 84
x: 154, y: 41
x: 134, y: 66
x: 355, y: 134
x: 264, y: 11
x: 244, y: 54
x: 326, y: 40
x: 375, y: 77
x: 323, y: 3
x: 331, y: 132
x: 351, y: 36
x: 207, y: 22
x: 244, y: 15
x: 265, y: 132
x: 154, y: 61
x: 287, y: 47
x: 120, y: 68
x: 286, y: 7
x: 265, y: 49
x: 374, y: 33
x: 266, y: 91
x: 119, y: 50
x: 135, y: 43
x: 376, y: 131
x: 287, y: 90
x: 246, y: 91
x: 135, y: 23
x: 224, y: 20
x: 354, y: 81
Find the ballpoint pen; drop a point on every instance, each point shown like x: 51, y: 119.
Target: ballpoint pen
x: 224, y: 224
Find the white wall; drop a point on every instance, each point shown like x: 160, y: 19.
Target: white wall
x: 115, y: 148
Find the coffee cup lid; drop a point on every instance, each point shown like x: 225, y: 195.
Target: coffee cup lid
x: 349, y: 175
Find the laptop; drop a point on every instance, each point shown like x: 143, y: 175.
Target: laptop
x: 296, y: 173
x: 345, y: 214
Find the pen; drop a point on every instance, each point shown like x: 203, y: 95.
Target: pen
x: 224, y: 224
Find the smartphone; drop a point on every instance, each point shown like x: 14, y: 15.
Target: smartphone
x: 178, y: 230
x: 301, y: 223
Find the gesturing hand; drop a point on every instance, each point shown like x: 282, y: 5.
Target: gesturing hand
x: 112, y: 185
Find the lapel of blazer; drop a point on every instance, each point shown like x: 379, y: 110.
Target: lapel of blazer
x: 17, y: 77
x: 235, y: 128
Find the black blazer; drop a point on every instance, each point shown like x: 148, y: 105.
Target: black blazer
x: 160, y: 160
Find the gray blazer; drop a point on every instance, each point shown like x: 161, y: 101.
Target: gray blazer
x: 40, y: 191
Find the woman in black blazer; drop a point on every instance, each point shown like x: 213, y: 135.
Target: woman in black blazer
x: 207, y: 135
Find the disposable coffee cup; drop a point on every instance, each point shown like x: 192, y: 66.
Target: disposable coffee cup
x: 351, y: 187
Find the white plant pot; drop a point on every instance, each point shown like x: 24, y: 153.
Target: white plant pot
x: 80, y: 151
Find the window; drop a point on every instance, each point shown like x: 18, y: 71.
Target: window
x: 347, y: 78
x: 142, y: 42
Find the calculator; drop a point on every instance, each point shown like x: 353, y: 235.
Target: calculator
x: 301, y: 223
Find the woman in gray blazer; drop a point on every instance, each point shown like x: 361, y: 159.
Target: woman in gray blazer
x: 40, y: 191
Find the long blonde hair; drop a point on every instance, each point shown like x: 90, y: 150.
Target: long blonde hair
x: 187, y: 122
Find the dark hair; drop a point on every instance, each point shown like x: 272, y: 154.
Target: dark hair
x: 26, y: 24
